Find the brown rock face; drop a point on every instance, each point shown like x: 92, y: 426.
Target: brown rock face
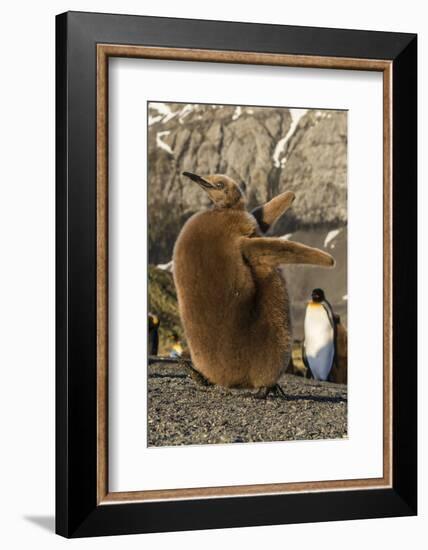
x: 314, y: 166
x: 266, y: 150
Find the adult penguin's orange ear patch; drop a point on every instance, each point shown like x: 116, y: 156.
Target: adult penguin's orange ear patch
x: 268, y: 213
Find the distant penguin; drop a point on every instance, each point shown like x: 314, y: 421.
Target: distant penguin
x: 232, y: 297
x: 320, y: 336
x: 153, y: 334
x: 176, y: 350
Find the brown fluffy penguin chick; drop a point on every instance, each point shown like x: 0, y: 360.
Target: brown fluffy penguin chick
x: 339, y: 371
x: 233, y: 300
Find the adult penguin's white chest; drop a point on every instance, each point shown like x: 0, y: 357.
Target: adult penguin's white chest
x: 319, y: 340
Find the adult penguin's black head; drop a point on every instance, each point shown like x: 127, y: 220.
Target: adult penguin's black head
x: 318, y: 295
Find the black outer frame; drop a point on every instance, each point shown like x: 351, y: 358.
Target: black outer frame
x: 77, y: 513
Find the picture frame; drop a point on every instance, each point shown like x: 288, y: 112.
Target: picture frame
x: 84, y: 44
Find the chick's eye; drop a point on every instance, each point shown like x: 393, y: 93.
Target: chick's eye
x: 220, y: 185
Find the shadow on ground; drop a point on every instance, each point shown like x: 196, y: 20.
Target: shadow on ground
x: 45, y: 522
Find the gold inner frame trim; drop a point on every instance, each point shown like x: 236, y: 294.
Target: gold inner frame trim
x: 104, y: 51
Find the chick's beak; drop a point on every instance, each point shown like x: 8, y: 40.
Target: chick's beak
x: 199, y: 180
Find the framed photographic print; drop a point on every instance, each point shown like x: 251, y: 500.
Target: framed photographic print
x: 236, y: 274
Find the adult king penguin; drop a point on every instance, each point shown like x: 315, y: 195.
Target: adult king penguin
x: 233, y: 300
x: 320, y: 336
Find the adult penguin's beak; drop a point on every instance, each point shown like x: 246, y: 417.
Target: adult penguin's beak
x: 199, y: 180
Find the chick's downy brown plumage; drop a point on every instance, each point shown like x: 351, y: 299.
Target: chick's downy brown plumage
x: 233, y: 300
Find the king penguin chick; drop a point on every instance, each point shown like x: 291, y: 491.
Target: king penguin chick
x: 339, y: 372
x: 320, y: 335
x: 232, y: 299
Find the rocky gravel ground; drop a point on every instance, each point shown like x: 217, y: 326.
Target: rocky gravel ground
x: 182, y: 412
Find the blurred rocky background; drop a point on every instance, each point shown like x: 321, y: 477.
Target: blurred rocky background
x: 267, y: 151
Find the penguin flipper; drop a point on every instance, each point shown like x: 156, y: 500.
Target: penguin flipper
x: 330, y: 314
x: 269, y: 212
x: 271, y: 252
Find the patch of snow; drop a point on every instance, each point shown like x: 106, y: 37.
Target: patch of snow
x: 250, y: 111
x: 161, y: 108
x: 186, y: 110
x: 322, y: 114
x: 165, y: 267
x: 345, y: 297
x: 296, y: 115
x: 153, y: 119
x: 164, y: 110
x: 237, y: 113
x: 330, y: 236
x: 161, y: 143
x: 286, y: 237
